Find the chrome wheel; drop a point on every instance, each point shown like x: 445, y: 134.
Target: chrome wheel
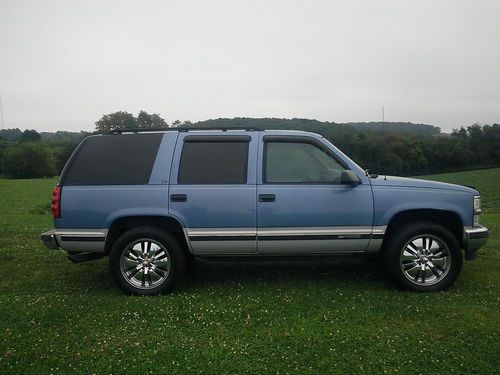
x: 425, y: 260
x: 145, y: 264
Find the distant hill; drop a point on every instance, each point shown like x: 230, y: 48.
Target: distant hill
x: 61, y: 136
x: 321, y: 126
x: 396, y: 127
x: 14, y: 135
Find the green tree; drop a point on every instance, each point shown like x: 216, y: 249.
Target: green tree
x: 62, y: 152
x: 28, y: 160
x: 11, y: 135
x: 145, y: 120
x: 116, y: 120
x: 183, y: 124
x: 30, y: 136
x: 3, y: 147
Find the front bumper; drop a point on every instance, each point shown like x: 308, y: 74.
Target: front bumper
x: 49, y: 239
x: 474, y: 238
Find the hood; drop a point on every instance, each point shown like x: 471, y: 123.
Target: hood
x: 382, y: 180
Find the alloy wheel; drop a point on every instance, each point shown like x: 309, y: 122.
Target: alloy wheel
x: 425, y: 260
x: 145, y: 263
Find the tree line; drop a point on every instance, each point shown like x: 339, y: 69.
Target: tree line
x: 125, y: 120
x: 30, y: 154
x: 384, y: 148
x: 396, y: 148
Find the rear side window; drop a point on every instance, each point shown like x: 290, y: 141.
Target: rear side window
x: 125, y: 159
x: 213, y: 163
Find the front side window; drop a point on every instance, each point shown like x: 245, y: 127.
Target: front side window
x: 213, y: 163
x: 296, y: 162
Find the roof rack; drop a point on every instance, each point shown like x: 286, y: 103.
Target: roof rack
x: 179, y: 129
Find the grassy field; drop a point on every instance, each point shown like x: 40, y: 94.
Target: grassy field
x: 335, y: 316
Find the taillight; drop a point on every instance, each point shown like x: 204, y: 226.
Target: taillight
x: 56, y: 202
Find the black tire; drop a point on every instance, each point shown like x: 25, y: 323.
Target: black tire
x: 174, y: 261
x: 434, y: 269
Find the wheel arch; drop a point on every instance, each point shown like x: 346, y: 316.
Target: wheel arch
x: 168, y: 223
x: 447, y: 219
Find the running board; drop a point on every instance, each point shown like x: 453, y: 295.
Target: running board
x: 84, y: 257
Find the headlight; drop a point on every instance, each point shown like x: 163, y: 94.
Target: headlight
x: 477, y: 204
x: 477, y: 210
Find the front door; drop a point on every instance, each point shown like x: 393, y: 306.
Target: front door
x: 213, y: 190
x: 303, y: 207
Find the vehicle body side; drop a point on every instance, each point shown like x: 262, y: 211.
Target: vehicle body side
x: 217, y: 219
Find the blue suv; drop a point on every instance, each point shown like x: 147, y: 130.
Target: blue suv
x: 152, y: 200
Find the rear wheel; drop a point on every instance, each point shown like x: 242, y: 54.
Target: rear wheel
x: 146, y: 261
x: 423, y: 257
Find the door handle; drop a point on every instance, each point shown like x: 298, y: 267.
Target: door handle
x: 267, y: 197
x: 178, y: 197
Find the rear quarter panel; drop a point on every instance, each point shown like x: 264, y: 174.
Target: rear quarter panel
x: 96, y: 207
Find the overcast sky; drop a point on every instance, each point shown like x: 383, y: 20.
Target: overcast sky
x: 63, y: 64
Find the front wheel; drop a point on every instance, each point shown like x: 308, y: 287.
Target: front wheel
x: 423, y: 257
x: 146, y: 261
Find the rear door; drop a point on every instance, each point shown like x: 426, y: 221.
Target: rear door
x: 303, y: 207
x: 213, y: 191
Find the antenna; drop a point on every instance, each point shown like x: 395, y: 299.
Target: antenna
x: 1, y: 110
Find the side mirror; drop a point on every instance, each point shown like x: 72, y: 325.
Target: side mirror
x: 349, y: 178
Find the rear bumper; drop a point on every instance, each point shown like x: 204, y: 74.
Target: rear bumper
x: 49, y: 239
x: 76, y: 240
x: 474, y: 238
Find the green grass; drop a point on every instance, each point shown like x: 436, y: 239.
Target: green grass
x: 335, y: 316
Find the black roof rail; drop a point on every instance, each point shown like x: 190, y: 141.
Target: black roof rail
x: 179, y: 129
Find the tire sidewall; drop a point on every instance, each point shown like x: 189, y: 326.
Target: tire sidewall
x: 175, y: 252
x: 395, y: 246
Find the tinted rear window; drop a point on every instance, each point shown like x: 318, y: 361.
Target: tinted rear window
x: 125, y: 159
x: 213, y: 163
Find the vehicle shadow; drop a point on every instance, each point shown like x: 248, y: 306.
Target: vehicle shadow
x: 343, y: 271
x: 354, y: 270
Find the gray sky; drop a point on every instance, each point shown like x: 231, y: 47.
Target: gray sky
x: 65, y: 63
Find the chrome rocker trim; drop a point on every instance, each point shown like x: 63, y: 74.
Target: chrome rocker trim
x: 224, y: 241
